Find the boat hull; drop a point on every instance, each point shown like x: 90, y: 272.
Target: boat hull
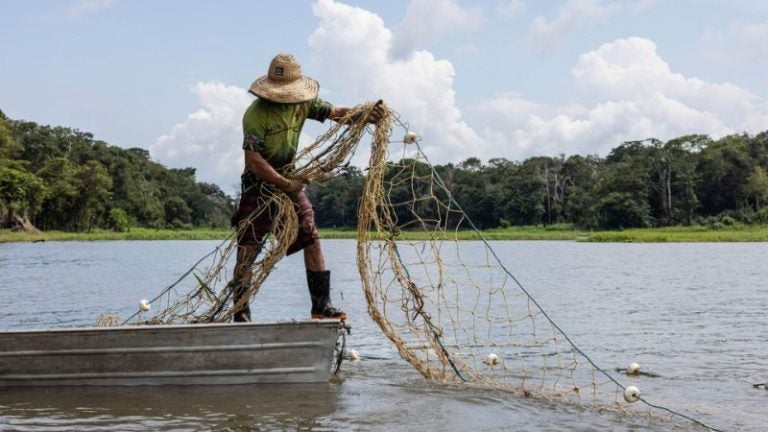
x: 196, y: 354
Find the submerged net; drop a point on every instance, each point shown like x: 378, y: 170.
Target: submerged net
x: 451, y: 307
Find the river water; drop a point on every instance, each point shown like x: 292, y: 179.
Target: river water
x: 695, y: 314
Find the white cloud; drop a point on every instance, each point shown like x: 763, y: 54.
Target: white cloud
x: 628, y: 92
x: 84, y: 7
x: 577, y: 13
x: 353, y: 48
x: 210, y: 139
x: 426, y: 20
x: 623, y: 91
x: 631, y: 68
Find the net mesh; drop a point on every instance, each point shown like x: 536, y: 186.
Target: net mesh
x: 452, y: 309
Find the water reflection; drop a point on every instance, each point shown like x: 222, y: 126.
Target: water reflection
x: 242, y: 408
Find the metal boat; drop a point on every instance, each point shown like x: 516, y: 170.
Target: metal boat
x: 190, y: 354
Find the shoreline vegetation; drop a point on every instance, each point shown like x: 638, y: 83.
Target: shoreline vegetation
x: 61, y: 179
x: 734, y: 233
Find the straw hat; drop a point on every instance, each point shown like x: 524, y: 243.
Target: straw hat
x: 284, y: 82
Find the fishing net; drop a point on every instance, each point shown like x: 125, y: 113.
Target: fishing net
x: 452, y: 309
x: 210, y: 297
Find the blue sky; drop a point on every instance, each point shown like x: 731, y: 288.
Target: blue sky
x: 493, y: 78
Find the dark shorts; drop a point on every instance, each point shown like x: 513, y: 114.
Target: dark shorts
x: 253, y: 205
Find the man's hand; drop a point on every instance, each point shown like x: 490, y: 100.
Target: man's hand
x: 256, y: 164
x: 377, y: 113
x: 292, y: 187
x: 337, y: 113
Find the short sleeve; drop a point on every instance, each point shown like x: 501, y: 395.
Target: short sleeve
x: 253, y: 143
x: 319, y: 110
x: 254, y: 129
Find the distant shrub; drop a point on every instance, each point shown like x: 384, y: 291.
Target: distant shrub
x: 119, y: 220
x: 727, y: 221
x: 559, y: 227
x: 761, y: 217
x: 699, y: 221
x: 745, y: 216
x: 180, y: 225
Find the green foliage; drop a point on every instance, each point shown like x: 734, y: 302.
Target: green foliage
x: 639, y: 184
x: 177, y: 213
x: 84, y: 179
x: 9, y: 148
x: 119, y: 220
x: 336, y: 201
x: 756, y: 187
x: 60, y: 175
x: 727, y: 221
x: 21, y: 192
x: 619, y: 210
x: 761, y: 217
x: 64, y: 179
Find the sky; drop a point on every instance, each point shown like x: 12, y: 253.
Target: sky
x: 488, y: 79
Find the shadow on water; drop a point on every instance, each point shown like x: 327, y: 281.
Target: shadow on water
x: 242, y: 408
x: 377, y: 396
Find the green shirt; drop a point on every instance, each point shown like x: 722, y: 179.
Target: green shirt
x: 273, y: 130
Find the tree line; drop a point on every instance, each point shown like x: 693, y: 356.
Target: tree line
x: 64, y: 179
x: 689, y: 180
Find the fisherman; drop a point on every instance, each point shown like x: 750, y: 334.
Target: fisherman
x: 271, y: 128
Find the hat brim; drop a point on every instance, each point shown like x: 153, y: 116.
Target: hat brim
x: 301, y: 90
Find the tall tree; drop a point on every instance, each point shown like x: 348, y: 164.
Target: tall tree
x: 95, y: 186
x: 579, y: 175
x: 623, y: 191
x: 723, y: 168
x: 756, y: 187
x: 61, y: 177
x: 21, y: 192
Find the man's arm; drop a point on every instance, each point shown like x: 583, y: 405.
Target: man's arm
x: 338, y: 112
x: 259, y: 166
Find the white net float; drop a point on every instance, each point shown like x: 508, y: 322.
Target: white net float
x: 145, y: 305
x: 411, y: 137
x: 631, y: 394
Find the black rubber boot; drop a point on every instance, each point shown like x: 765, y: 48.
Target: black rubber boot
x: 244, y: 314
x: 319, y: 283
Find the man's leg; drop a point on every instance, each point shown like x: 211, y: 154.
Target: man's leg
x: 252, y: 222
x: 318, y: 278
x: 242, y: 280
x: 319, y: 283
x: 314, y: 259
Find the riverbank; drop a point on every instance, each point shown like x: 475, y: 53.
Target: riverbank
x: 134, y: 234
x: 736, y: 233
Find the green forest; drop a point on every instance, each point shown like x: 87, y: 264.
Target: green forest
x: 690, y: 180
x: 62, y: 179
